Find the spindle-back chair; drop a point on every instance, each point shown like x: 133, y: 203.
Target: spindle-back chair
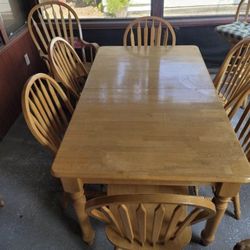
x: 239, y: 29
x: 51, y: 19
x: 234, y: 73
x: 242, y: 130
x: 149, y: 31
x: 67, y: 65
x: 140, y: 221
x: 242, y: 12
x: 46, y: 109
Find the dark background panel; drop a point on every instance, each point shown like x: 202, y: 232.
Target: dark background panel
x: 213, y: 47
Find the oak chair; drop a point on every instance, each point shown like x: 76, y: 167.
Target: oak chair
x: 149, y: 31
x: 242, y: 130
x: 53, y: 18
x: 46, y: 109
x: 240, y: 28
x: 234, y: 73
x: 140, y: 221
x: 67, y: 66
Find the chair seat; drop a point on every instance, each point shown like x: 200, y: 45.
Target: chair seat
x: 236, y: 30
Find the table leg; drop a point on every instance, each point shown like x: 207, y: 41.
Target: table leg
x: 223, y: 195
x: 208, y: 234
x: 75, y: 188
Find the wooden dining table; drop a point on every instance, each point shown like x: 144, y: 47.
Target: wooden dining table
x: 150, y: 116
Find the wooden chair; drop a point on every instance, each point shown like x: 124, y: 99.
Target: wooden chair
x: 142, y: 221
x: 50, y: 19
x: 242, y: 130
x: 67, y: 65
x: 240, y: 28
x: 234, y: 73
x: 47, y: 112
x: 46, y: 109
x: 149, y: 30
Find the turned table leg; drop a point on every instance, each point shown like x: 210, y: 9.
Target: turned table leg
x: 208, y: 234
x: 223, y: 195
x: 75, y: 188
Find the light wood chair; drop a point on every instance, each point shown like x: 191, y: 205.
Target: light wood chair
x: 234, y: 73
x: 46, y: 109
x: 239, y: 29
x: 149, y: 30
x: 242, y: 130
x: 67, y: 66
x: 50, y: 19
x: 141, y: 221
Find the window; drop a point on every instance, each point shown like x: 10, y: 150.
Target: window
x: 13, y: 13
x: 200, y: 7
x: 109, y: 8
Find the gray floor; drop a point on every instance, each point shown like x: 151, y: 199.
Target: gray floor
x: 33, y: 218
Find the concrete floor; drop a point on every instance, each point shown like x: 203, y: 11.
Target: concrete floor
x: 33, y: 219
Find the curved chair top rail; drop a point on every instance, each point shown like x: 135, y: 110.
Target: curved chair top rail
x: 233, y: 75
x: 147, y: 33
x: 239, y: 9
x: 44, y: 25
x: 67, y: 65
x: 174, y: 199
x: 46, y: 109
x: 134, y: 219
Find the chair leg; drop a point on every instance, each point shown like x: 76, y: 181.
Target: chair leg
x: 236, y: 202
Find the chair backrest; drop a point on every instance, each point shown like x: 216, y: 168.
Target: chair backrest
x: 149, y: 30
x: 52, y: 19
x: 242, y: 12
x: 46, y: 109
x: 234, y: 72
x: 129, y: 216
x: 67, y: 65
x: 242, y: 128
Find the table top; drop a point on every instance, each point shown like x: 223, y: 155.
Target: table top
x: 150, y: 116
